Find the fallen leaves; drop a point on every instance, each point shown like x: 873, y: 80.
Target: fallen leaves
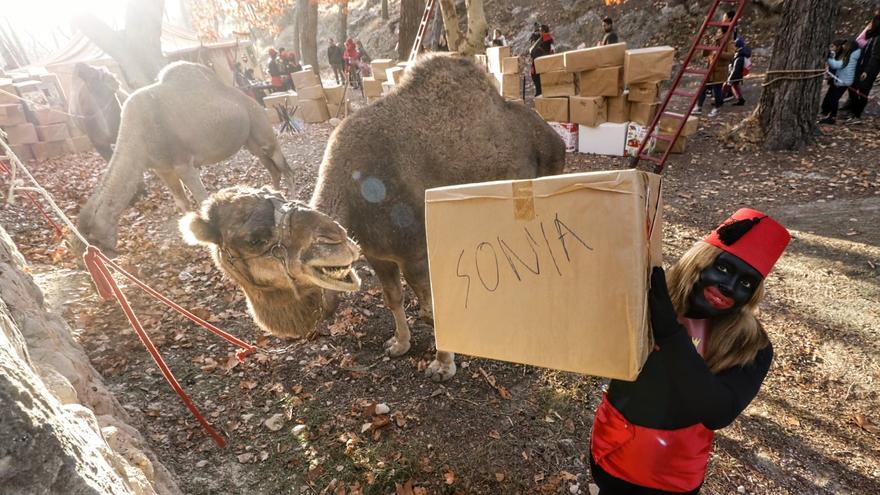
x: 866, y: 424
x: 490, y: 379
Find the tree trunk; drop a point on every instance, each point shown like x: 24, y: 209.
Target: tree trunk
x: 309, y: 39
x: 477, y: 29
x: 788, y: 107
x: 302, y: 16
x: 385, y: 9
x: 342, y: 32
x: 410, y: 16
x: 450, y: 22
x: 137, y: 48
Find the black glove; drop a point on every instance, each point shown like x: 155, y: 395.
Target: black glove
x: 664, y: 320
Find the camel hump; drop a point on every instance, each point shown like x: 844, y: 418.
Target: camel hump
x: 187, y: 73
x: 435, y: 73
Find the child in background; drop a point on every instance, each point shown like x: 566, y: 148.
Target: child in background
x: 845, y: 66
x: 738, y: 72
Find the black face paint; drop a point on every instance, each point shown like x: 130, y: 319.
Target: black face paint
x: 723, y: 287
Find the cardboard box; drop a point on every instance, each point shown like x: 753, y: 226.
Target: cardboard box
x: 46, y: 116
x: 394, y: 74
x: 494, y: 57
x: 339, y: 111
x: 575, y: 300
x: 556, y: 78
x: 516, y: 100
x: 660, y: 145
x: 644, y: 92
x: 373, y: 99
x: 550, y: 63
x: 669, y: 123
x: 334, y: 94
x: 53, y: 132
x: 313, y: 111
x: 594, y: 57
x: 272, y: 115
x: 387, y: 87
x: 372, y: 87
x: 635, y: 133
x: 7, y: 92
x: 21, y: 134
x: 282, y: 98
x: 378, y: 67
x: 30, y: 91
x: 22, y: 151
x: 12, y: 114
x: 49, y: 149
x: 587, y: 110
x: 618, y: 108
x: 481, y: 60
x: 510, y: 65
x: 648, y: 64
x: 569, y: 134
x: 605, y: 139
x: 552, y: 109
x: 304, y: 79
x: 605, y: 81
x: 558, y: 90
x: 642, y: 113
x: 310, y: 93
x: 508, y: 85
x: 80, y: 144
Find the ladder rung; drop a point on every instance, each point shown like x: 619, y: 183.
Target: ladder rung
x: 686, y: 94
x: 650, y: 158
x: 718, y: 24
x: 673, y: 115
x: 694, y: 70
x: 663, y: 137
x: 709, y: 47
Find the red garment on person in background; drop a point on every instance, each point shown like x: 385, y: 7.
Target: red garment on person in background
x: 351, y: 54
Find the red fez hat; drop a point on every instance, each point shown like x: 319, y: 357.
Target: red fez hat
x: 752, y: 237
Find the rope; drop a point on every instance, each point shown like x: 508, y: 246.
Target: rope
x: 816, y: 73
x: 58, y: 233
x: 100, y: 268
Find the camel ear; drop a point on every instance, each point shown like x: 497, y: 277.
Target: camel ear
x: 196, y: 230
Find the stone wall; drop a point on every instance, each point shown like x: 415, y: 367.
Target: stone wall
x: 61, y: 431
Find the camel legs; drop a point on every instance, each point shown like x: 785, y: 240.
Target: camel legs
x: 170, y: 178
x: 273, y: 159
x: 442, y: 368
x: 189, y: 175
x: 389, y: 277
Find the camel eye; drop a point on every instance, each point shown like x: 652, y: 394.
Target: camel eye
x: 256, y: 241
x: 322, y: 239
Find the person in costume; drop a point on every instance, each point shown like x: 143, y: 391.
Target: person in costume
x: 654, y: 435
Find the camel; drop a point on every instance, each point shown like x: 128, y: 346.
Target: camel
x: 443, y: 124
x: 186, y: 119
x: 95, y: 107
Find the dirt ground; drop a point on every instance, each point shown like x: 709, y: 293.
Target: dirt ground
x: 812, y: 428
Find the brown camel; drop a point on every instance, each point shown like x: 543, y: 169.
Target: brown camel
x: 186, y: 119
x: 444, y: 124
x: 96, y: 108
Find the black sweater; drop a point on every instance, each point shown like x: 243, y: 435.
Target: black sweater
x: 676, y: 389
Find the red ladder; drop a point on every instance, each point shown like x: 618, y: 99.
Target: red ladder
x: 417, y: 43
x: 706, y: 73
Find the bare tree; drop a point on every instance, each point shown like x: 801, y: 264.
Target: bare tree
x: 342, y: 32
x: 138, y: 47
x: 308, y: 42
x: 385, y: 9
x: 477, y: 29
x: 790, y: 100
x: 410, y: 15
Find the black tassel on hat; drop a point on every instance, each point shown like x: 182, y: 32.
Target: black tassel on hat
x: 733, y: 231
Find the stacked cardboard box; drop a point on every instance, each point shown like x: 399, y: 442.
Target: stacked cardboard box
x: 285, y: 99
x: 311, y: 105
x: 504, y: 70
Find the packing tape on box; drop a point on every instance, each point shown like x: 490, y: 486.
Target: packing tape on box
x: 523, y: 200
x: 607, y: 186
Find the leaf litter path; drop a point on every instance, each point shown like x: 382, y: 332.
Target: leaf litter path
x: 307, y: 417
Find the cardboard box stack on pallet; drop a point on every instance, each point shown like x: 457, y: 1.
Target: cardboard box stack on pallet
x: 33, y: 115
x: 602, y: 95
x: 505, y: 71
x: 379, y: 85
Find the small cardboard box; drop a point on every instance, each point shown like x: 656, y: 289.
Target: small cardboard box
x: 556, y: 78
x: 569, y: 134
x: 79, y: 144
x: 394, y: 74
x: 550, y: 63
x: 494, y: 57
x: 552, y: 109
x: 387, y: 87
x: 310, y: 93
x: 372, y: 87
x: 334, y: 94
x: 605, y: 81
x: 46, y: 115
x: 550, y: 272
x: 279, y: 99
x: 510, y: 65
x: 339, y: 111
x: 7, y: 92
x: 508, y: 85
x: 52, y: 132
x: 558, y: 90
x: 648, y: 64
x: 21, y: 134
x: 642, y: 113
x: 313, y: 111
x: 594, y: 57
x: 635, y: 134
x: 605, y: 139
x: 669, y: 123
x: 618, y: 108
x: 12, y: 114
x: 644, y: 92
x: 373, y: 99
x: 304, y: 79
x: 481, y: 60
x: 660, y: 145
x: 272, y: 115
x: 587, y: 110
x: 49, y: 149
x: 22, y: 151
x: 378, y: 67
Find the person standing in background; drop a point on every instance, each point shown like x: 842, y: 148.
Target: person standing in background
x: 543, y: 45
x: 610, y: 37
x: 334, y: 58
x: 498, y: 39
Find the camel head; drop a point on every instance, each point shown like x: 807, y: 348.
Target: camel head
x: 284, y: 255
x: 100, y: 233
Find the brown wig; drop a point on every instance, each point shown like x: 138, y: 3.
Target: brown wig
x: 735, y: 339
